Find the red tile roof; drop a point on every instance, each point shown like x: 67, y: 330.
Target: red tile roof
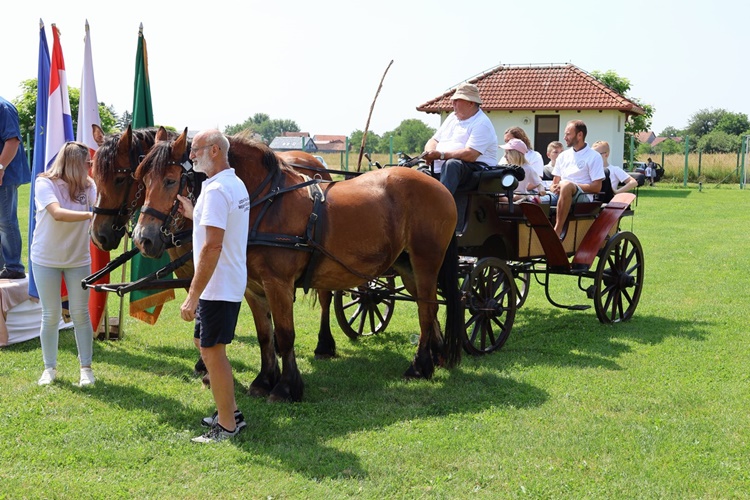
x: 295, y: 134
x: 330, y: 138
x: 552, y: 87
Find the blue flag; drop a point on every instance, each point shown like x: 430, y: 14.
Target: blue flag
x: 38, y: 165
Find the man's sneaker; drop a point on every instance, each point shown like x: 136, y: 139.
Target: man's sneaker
x: 8, y: 274
x: 211, y: 421
x: 217, y: 433
x: 87, y: 377
x: 48, y: 375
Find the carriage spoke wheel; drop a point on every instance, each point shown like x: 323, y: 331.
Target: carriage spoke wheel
x: 367, y: 309
x: 490, y: 306
x: 523, y: 282
x: 619, y: 278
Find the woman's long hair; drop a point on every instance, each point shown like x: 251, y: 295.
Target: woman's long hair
x: 71, y: 166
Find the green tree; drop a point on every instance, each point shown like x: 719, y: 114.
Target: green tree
x: 26, y: 104
x: 125, y: 120
x: 411, y: 136
x: 704, y: 121
x: 718, y: 141
x: 733, y: 123
x: 261, y: 123
x: 669, y: 147
x: 373, y: 145
x: 671, y: 131
x: 636, y: 123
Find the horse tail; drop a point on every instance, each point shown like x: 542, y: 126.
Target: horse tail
x: 454, y: 318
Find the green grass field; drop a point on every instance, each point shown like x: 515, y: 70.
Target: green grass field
x: 569, y: 408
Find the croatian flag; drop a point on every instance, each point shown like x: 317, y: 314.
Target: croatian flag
x: 59, y: 120
x: 88, y: 115
x: 39, y: 139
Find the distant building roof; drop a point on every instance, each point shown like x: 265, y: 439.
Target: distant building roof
x: 645, y: 137
x: 295, y: 134
x: 293, y: 144
x: 552, y: 87
x: 330, y: 143
x: 659, y: 140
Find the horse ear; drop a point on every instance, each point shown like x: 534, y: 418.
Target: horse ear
x: 126, y: 139
x: 98, y: 134
x: 161, y: 135
x: 180, y: 145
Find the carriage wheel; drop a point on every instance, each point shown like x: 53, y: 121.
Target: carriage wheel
x: 619, y: 278
x: 523, y: 282
x: 367, y: 309
x: 490, y: 295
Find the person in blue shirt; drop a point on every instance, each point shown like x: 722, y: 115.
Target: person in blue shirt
x: 14, y: 171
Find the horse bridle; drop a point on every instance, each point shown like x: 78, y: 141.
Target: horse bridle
x: 124, y: 211
x: 187, y: 180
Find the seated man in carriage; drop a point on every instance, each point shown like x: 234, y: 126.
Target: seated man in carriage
x: 616, y: 179
x: 466, y: 142
x: 577, y: 175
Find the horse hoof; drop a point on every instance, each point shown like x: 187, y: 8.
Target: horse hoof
x: 324, y: 356
x: 257, y: 392
x: 412, y: 373
x: 206, y: 380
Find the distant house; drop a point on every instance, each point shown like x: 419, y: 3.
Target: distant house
x: 659, y: 140
x: 542, y: 99
x: 646, y: 137
x: 295, y: 134
x: 330, y: 143
x: 294, y: 144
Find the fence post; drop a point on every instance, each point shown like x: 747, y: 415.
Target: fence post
x: 700, y: 158
x: 687, y: 151
x: 632, y: 146
x: 390, y: 150
x: 346, y: 165
x: 742, y: 168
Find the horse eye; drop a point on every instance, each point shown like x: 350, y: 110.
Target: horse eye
x: 170, y: 182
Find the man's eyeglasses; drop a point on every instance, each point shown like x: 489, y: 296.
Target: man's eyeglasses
x: 200, y: 147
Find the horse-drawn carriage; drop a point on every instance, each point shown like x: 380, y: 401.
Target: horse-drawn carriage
x: 475, y: 257
x: 501, y: 247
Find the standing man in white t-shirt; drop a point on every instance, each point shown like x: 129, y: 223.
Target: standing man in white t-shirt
x: 220, y: 228
x: 577, y: 175
x: 465, y: 142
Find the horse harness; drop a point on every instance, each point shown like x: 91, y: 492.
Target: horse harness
x: 136, y: 155
x: 309, y: 242
x: 187, y: 180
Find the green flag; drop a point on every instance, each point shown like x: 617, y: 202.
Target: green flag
x: 145, y: 305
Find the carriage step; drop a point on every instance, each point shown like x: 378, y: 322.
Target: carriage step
x: 579, y: 307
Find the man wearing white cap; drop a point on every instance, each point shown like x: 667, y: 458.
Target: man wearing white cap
x: 465, y: 142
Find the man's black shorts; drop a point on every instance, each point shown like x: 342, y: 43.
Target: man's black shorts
x: 215, y: 321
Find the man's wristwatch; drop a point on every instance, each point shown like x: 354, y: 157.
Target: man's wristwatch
x: 2, y: 167
x: 442, y: 156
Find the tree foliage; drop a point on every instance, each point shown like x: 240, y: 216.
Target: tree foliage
x: 26, y: 104
x: 262, y: 124
x: 635, y: 123
x: 718, y: 141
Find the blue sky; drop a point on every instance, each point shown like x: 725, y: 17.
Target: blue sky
x: 214, y: 64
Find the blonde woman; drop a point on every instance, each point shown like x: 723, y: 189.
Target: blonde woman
x: 63, y: 197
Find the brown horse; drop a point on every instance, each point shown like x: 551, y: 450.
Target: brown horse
x: 360, y: 228
x: 119, y: 197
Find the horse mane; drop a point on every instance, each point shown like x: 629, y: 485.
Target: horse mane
x: 240, y: 147
x: 106, y: 156
x: 157, y: 159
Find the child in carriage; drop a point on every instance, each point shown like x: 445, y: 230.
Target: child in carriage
x: 531, y: 187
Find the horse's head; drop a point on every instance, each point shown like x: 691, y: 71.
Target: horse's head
x: 164, y: 172
x: 118, y: 196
